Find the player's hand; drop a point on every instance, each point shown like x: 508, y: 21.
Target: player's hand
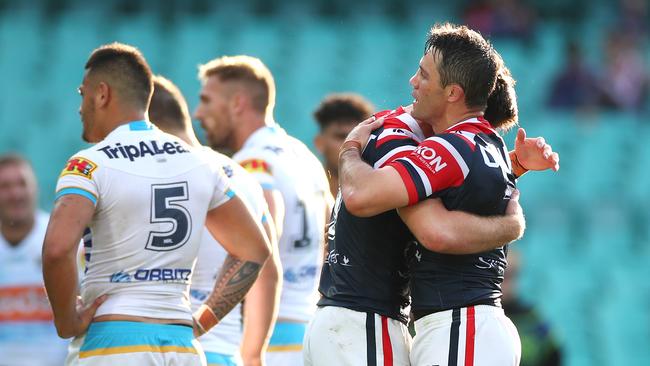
x: 85, y: 315
x: 361, y: 133
x: 535, y: 153
x: 196, y: 328
x: 514, y: 208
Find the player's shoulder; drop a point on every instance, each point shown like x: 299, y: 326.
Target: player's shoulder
x: 398, y: 122
x: 84, y: 163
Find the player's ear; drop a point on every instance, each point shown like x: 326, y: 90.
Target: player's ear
x: 238, y: 102
x: 455, y: 93
x: 319, y: 143
x: 102, y: 95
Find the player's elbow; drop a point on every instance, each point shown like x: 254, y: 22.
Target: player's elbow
x: 357, y: 202
x: 262, y: 252
x: 63, y: 331
x: 439, y: 241
x: 52, y: 252
x: 518, y: 229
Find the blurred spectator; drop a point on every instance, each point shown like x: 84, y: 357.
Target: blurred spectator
x: 625, y: 81
x: 501, y: 18
x: 27, y: 333
x: 538, y: 347
x: 337, y: 115
x: 575, y: 86
x: 633, y: 18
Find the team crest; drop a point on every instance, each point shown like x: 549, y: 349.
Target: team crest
x: 256, y: 166
x: 79, y: 166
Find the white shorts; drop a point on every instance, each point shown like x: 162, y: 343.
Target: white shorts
x: 474, y: 336
x: 126, y: 343
x: 344, y: 337
x: 285, y: 346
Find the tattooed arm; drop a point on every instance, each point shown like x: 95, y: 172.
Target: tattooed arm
x: 248, y: 248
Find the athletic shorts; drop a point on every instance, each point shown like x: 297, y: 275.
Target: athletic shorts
x: 473, y: 336
x: 285, y: 346
x: 344, y: 337
x: 127, y: 343
x: 219, y: 359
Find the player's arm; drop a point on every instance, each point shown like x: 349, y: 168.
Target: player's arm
x: 532, y: 154
x: 262, y: 303
x: 456, y: 232
x: 275, y: 201
x: 71, y: 215
x: 248, y: 248
x: 367, y: 191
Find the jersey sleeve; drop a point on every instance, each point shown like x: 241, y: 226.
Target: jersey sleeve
x: 393, y: 140
x: 79, y: 176
x: 258, y: 163
x: 223, y: 190
x: 433, y: 166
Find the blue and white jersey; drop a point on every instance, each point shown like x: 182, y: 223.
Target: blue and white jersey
x: 226, y: 336
x: 283, y: 163
x: 151, y: 194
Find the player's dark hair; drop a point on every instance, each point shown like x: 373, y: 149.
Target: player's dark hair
x: 168, y: 109
x: 125, y: 70
x: 502, y: 111
x: 343, y: 107
x: 466, y: 59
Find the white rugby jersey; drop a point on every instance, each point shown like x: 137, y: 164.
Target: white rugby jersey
x: 226, y: 336
x: 26, y: 321
x: 281, y: 162
x: 152, y: 193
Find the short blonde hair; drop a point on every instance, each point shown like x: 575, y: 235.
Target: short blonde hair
x: 246, y: 69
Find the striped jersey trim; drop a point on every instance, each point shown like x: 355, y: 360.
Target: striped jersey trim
x: 78, y: 191
x: 135, y: 349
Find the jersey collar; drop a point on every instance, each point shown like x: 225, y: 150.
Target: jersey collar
x: 134, y: 126
x: 261, y: 135
x: 473, y: 120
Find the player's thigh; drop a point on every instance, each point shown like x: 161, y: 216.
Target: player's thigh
x: 219, y: 359
x: 497, y: 341
x: 339, y: 336
x: 286, y: 344
x: 480, y: 335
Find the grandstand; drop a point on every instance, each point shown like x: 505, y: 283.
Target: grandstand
x: 587, y: 247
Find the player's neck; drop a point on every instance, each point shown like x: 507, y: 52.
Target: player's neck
x: 119, y: 118
x: 454, y: 118
x: 247, y: 127
x: 15, y: 232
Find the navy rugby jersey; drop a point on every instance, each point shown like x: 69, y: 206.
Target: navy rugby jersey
x: 366, y: 268
x: 469, y: 168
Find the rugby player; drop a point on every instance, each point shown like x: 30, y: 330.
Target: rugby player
x: 146, y: 196
x: 455, y: 298
x: 337, y: 115
x: 27, y: 333
x: 169, y: 112
x: 236, y: 110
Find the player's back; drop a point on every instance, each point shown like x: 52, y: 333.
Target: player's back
x: 366, y: 268
x: 152, y: 193
x: 225, y: 337
x: 483, y: 187
x: 282, y: 162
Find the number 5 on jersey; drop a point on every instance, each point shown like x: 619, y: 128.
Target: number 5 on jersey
x: 166, y: 208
